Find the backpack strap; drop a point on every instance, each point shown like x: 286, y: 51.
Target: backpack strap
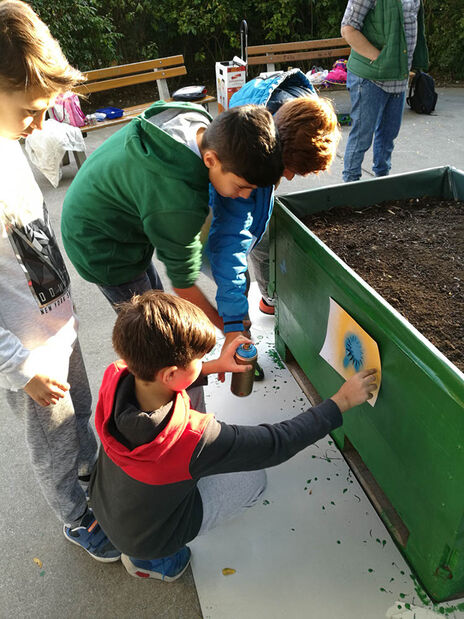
x: 412, y: 87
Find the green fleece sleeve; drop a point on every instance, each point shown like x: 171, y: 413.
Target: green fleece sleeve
x: 176, y: 238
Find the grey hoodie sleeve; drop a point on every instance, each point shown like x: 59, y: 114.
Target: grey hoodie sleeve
x: 13, y: 356
x: 226, y: 448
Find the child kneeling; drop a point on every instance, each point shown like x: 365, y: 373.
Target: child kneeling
x: 167, y: 473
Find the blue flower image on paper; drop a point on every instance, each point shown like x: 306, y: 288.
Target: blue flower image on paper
x: 348, y: 348
x: 354, y: 353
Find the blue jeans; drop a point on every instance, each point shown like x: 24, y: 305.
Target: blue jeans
x: 149, y: 280
x: 375, y: 114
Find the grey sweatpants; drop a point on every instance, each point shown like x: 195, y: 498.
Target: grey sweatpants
x: 61, y: 441
x: 227, y: 495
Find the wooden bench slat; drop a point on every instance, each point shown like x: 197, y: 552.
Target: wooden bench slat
x: 276, y: 58
x: 253, y: 50
x: 134, y: 67
x: 139, y: 78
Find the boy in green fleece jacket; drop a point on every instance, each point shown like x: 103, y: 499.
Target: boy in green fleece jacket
x: 147, y: 186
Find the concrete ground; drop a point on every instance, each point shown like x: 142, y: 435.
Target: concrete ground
x: 69, y: 583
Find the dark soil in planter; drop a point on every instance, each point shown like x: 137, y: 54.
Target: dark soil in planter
x: 412, y: 253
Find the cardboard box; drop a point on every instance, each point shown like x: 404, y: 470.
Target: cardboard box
x: 230, y: 77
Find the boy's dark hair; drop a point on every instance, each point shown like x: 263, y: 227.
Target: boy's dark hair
x: 29, y: 56
x: 309, y: 133
x: 157, y: 330
x: 245, y: 141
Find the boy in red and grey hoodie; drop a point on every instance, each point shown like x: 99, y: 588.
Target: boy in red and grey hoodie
x: 167, y: 472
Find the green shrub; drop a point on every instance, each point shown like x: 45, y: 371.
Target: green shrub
x: 87, y: 36
x: 445, y: 37
x: 94, y: 33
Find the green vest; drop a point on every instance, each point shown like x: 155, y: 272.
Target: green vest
x: 384, y: 28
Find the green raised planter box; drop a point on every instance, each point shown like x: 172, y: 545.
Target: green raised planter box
x: 408, y: 451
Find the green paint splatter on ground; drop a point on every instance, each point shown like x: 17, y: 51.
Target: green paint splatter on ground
x: 338, y: 541
x: 370, y: 570
x: 402, y: 595
x: 330, y: 442
x: 332, y: 503
x: 42, y: 573
x: 275, y: 357
x: 420, y: 592
x: 382, y: 589
x: 345, y: 490
x: 265, y: 502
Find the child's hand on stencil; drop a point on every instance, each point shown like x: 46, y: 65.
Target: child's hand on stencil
x: 45, y: 390
x: 226, y: 361
x: 357, y: 390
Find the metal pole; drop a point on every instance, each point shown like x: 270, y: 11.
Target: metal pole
x: 244, y: 43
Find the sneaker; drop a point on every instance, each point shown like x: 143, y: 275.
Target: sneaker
x: 91, y: 537
x: 265, y: 307
x: 259, y: 373
x: 167, y: 569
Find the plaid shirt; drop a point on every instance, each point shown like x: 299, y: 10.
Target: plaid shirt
x: 355, y: 14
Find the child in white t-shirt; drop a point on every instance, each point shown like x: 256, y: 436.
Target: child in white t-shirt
x: 41, y: 365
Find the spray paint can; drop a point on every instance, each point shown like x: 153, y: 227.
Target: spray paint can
x: 242, y: 382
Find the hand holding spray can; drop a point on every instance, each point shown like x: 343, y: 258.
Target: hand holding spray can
x: 242, y: 382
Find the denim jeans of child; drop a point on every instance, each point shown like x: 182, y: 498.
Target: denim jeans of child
x: 375, y: 114
x: 148, y: 280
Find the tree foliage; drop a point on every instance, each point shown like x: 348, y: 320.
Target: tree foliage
x: 94, y: 33
x: 86, y: 34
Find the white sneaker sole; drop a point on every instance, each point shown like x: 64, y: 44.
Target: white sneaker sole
x: 135, y: 571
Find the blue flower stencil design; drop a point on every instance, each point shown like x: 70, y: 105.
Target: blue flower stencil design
x: 354, y: 353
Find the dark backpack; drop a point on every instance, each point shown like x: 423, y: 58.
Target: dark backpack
x: 422, y: 96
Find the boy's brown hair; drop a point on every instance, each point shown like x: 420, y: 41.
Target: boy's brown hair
x: 157, y: 330
x: 245, y: 141
x: 29, y: 56
x: 309, y: 133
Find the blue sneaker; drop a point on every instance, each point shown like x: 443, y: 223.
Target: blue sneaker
x: 91, y: 537
x: 168, y: 569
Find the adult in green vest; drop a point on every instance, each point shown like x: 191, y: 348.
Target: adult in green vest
x: 387, y: 39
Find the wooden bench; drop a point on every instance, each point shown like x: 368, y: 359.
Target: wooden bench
x: 157, y: 70
x: 279, y: 53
